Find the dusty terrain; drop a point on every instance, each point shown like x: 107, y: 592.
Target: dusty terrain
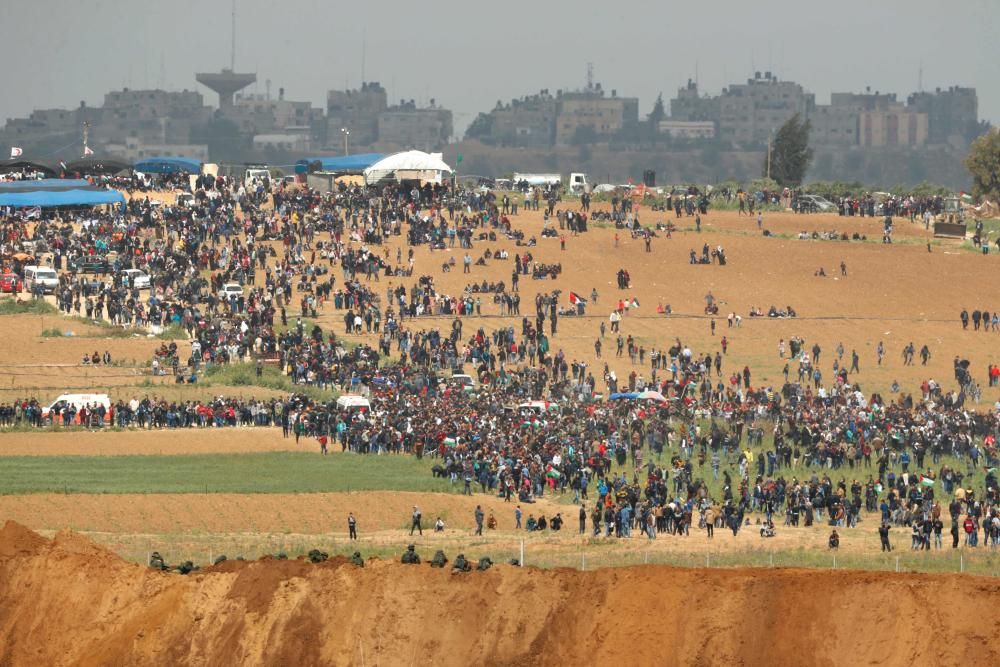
x: 294, y: 612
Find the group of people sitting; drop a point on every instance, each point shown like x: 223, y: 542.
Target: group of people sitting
x: 773, y: 311
x: 96, y: 359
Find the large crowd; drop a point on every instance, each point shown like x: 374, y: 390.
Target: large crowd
x: 529, y: 425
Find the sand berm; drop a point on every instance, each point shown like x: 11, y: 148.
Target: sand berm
x: 67, y: 601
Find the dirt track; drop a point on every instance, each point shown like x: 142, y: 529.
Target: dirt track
x: 297, y: 613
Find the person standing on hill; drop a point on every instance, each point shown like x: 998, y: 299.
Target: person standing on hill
x: 352, y: 526
x: 479, y: 520
x: 415, y: 525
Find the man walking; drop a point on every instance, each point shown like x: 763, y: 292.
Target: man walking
x: 352, y: 526
x: 479, y: 520
x: 415, y: 525
x: 883, y: 535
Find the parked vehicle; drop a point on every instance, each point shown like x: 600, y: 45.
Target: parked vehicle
x: 42, y: 277
x: 76, y: 402
x: 813, y: 204
x: 231, y: 290
x: 89, y: 264
x: 136, y: 278
x: 576, y: 184
x: 11, y: 283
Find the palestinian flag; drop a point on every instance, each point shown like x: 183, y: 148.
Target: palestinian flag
x: 926, y: 481
x: 575, y: 298
x: 634, y: 303
x: 965, y: 196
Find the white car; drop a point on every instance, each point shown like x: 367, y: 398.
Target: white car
x: 230, y: 290
x: 42, y: 277
x: 136, y: 278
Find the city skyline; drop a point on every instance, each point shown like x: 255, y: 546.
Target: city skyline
x: 315, y: 47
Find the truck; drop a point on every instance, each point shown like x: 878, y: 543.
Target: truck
x: 578, y: 183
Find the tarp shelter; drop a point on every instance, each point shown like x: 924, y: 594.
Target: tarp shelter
x: 409, y: 165
x: 345, y: 164
x: 47, y: 168
x: 95, y: 165
x: 44, y: 184
x: 49, y: 198
x: 168, y: 165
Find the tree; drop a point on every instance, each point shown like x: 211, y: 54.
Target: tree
x: 658, y: 113
x: 481, y: 127
x: 652, y: 124
x: 983, y: 163
x: 790, y: 153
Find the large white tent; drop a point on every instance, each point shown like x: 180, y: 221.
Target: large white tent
x: 409, y: 165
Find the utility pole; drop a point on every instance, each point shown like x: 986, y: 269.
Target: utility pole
x: 346, y: 133
x: 769, y: 138
x: 86, y: 135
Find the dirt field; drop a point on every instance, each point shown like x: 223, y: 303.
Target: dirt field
x: 141, y: 443
x: 294, y: 612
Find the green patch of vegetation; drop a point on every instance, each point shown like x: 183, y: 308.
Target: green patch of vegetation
x: 28, y: 307
x: 277, y: 472
x: 54, y: 332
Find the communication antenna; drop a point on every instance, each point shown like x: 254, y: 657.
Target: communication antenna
x: 364, y: 51
x: 232, y: 53
x: 920, y: 77
x: 590, y: 76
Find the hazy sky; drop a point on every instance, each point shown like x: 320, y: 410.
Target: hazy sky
x: 469, y: 54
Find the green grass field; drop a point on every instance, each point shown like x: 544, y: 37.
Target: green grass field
x: 279, y: 472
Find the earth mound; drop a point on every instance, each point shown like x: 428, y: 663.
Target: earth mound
x: 68, y: 601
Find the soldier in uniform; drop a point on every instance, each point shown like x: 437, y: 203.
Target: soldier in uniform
x: 410, y: 556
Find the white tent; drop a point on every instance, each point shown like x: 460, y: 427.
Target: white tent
x: 409, y: 165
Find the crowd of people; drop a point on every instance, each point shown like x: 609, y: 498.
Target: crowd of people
x: 693, y: 455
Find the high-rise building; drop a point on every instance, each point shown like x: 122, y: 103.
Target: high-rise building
x: 952, y: 114
x: 356, y: 111
x: 406, y: 127
x: 593, y: 115
x: 750, y: 113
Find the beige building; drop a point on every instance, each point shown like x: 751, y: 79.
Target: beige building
x: 750, y: 113
x: 895, y: 126
x: 599, y: 115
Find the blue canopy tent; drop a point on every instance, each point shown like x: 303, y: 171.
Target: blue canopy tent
x: 168, y: 165
x: 346, y: 164
x: 44, y: 184
x: 48, y: 198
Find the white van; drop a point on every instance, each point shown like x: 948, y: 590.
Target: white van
x: 42, y: 276
x: 353, y: 402
x: 78, y: 401
x: 262, y: 174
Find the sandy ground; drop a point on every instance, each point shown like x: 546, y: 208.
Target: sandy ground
x: 154, y: 442
x: 294, y: 612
